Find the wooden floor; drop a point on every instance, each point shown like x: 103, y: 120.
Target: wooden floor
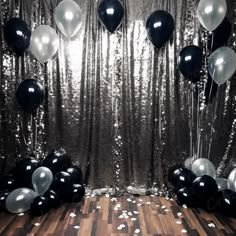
x: 101, y: 216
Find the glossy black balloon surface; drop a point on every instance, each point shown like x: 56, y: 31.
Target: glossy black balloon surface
x: 160, y: 26
x: 17, y: 35
x: 53, y: 199
x: 30, y: 94
x: 40, y: 206
x: 186, y: 197
x: 110, y: 13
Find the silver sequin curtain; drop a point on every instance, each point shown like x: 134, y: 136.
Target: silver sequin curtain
x: 118, y: 106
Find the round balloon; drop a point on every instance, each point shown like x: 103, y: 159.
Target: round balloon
x: 221, y: 183
x: 44, y: 43
x: 17, y: 35
x: 220, y: 35
x: 68, y: 17
x: 232, y: 180
x: 222, y: 64
x: 20, y: 200
x: 190, y: 62
x: 30, y: 94
x: 171, y: 176
x: 203, y: 166
x: 211, y: 13
x: 227, y: 203
x: 186, y: 197
x: 42, y: 179
x: 204, y: 187
x: 160, y: 26
x: 39, y: 206
x: 56, y: 161
x: 110, y: 13
x: 23, y: 172
x: 182, y: 177
x: 53, y: 199
x: 76, y: 175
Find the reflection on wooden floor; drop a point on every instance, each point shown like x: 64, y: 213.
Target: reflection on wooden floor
x: 102, y: 216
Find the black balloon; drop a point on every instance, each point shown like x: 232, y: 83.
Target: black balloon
x: 110, y: 13
x: 57, y: 160
x: 171, y: 170
x: 62, y: 185
x: 53, y: 199
x: 7, y: 183
x: 30, y: 94
x: 17, y: 35
x: 182, y: 177
x: 204, y: 187
x: 3, y: 197
x: 74, y: 194
x: 227, y: 202
x: 186, y: 197
x: 160, y: 27
x: 23, y: 172
x: 40, y: 206
x: 190, y: 62
x: 76, y: 175
x: 220, y: 35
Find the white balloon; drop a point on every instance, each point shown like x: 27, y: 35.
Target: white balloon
x: 20, y: 200
x: 203, y: 166
x: 42, y: 180
x: 222, y: 64
x: 221, y: 183
x: 68, y: 17
x: 211, y: 13
x: 232, y: 180
x: 44, y: 43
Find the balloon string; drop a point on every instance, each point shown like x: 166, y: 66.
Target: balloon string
x: 212, y: 123
x: 22, y: 129
x: 31, y: 133
x: 198, y: 125
x: 36, y: 129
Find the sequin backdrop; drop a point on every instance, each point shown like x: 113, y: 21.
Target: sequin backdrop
x: 117, y: 105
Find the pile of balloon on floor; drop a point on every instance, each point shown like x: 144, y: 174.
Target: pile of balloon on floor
x: 39, y: 186
x: 198, y: 187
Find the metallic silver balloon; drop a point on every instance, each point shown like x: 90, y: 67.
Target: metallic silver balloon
x: 221, y: 183
x: 44, y: 43
x: 42, y: 180
x: 211, y: 13
x: 232, y: 180
x: 203, y: 166
x: 222, y: 64
x: 20, y: 200
x: 68, y: 17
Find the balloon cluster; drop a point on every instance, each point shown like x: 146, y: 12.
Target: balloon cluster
x: 199, y: 187
x: 222, y: 61
x: 40, y: 186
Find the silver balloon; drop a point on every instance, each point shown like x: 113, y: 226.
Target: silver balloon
x: 211, y: 13
x: 221, y: 183
x: 68, y: 17
x: 20, y: 200
x: 232, y: 180
x: 42, y: 180
x: 222, y: 64
x: 203, y: 166
x: 44, y: 43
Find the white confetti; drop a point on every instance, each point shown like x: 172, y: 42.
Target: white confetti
x: 116, y: 209
x: 167, y: 210
x: 130, y: 213
x: 119, y: 228
x: 118, y: 205
x: 126, y: 217
x: 152, y: 195
x: 163, y: 207
x: 134, y: 201
x: 122, y: 225
x: 211, y: 225
x: 72, y: 215
x: 184, y: 206
x: 136, y: 212
x: 183, y: 231
x: 129, y: 200
x: 179, y: 214
x: 133, y: 219
x: 141, y: 200
x: 148, y: 203
x: 21, y: 214
x: 37, y: 224
x: 107, y: 195
x: 98, y: 207
x: 178, y: 222
x: 121, y: 217
x: 137, y: 231
x: 124, y: 211
x: 172, y: 199
x: 139, y: 204
x: 76, y: 226
x: 157, y: 205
